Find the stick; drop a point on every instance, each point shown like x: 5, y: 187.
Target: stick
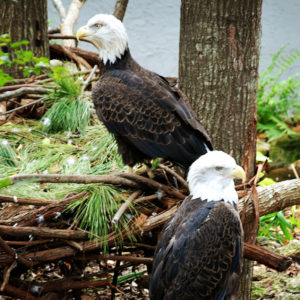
x: 26, y: 201
x: 154, y: 185
x: 85, y: 84
x: 70, y: 37
x: 62, y: 178
x: 169, y: 170
x: 17, y: 293
x: 24, y: 90
x: 124, y: 206
x: 7, y: 275
x: 45, y: 232
x: 21, y: 107
x: 14, y: 254
x: 266, y: 257
x: 78, y: 59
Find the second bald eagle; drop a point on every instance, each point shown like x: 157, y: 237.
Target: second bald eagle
x: 148, y: 116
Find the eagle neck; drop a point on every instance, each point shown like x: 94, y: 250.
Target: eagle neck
x: 124, y: 62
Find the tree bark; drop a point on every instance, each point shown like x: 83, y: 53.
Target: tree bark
x: 25, y: 20
x: 120, y: 9
x: 218, y: 71
x: 67, y: 25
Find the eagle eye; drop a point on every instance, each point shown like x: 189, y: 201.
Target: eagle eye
x: 97, y: 25
x: 219, y: 168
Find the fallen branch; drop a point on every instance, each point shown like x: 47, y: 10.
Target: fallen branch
x: 21, y: 107
x: 154, y: 185
x: 273, y: 198
x: 62, y: 178
x: 124, y: 206
x: 56, y: 51
x: 43, y: 232
x: 78, y: 59
x: 14, y: 254
x: 18, y: 293
x: 266, y: 257
x: 24, y: 90
x: 26, y: 201
x: 176, y: 175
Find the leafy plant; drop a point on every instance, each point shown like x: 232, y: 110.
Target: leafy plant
x: 96, y: 212
x: 25, y: 59
x: 278, y: 100
x: 69, y: 112
x: 269, y: 224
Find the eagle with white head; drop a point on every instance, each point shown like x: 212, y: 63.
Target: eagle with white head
x: 200, y: 250
x: 148, y: 116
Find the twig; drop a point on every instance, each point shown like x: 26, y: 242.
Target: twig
x: 78, y: 59
x: 70, y: 37
x: 14, y: 254
x: 120, y: 9
x: 149, y: 198
x: 25, y: 90
x: 26, y: 201
x: 18, y: 293
x: 45, y: 232
x: 63, y: 178
x: 154, y: 184
x: 87, y: 81
x: 295, y: 171
x: 124, y: 206
x: 18, y: 86
x: 21, y: 107
x: 18, y: 134
x: 7, y: 274
x: 142, y: 260
x: 169, y: 170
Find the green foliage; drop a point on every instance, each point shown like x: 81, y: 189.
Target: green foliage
x: 278, y: 100
x: 93, y: 152
x: 25, y: 59
x: 270, y: 224
x: 7, y: 154
x: 96, y: 212
x: 69, y: 112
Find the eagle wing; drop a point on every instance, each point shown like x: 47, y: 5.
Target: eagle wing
x: 150, y: 116
x: 198, y: 253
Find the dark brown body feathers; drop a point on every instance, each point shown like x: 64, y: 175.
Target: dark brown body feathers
x: 148, y: 116
x: 199, y: 253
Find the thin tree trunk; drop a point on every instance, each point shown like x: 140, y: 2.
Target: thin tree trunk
x: 25, y: 20
x: 120, y: 9
x: 218, y: 70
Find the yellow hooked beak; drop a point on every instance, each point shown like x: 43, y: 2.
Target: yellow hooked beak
x: 83, y: 32
x: 238, y: 173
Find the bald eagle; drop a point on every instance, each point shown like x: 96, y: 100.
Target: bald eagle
x: 199, y: 252
x: 148, y: 117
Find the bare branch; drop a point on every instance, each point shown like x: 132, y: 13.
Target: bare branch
x: 24, y: 90
x: 21, y: 107
x: 274, y: 198
x: 70, y: 20
x: 120, y: 9
x: 60, y: 8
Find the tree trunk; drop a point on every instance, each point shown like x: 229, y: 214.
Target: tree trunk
x: 218, y: 71
x: 25, y: 20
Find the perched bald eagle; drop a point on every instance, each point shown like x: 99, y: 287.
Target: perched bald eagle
x: 199, y: 252
x: 148, y: 116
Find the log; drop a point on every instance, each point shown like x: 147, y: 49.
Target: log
x: 263, y: 256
